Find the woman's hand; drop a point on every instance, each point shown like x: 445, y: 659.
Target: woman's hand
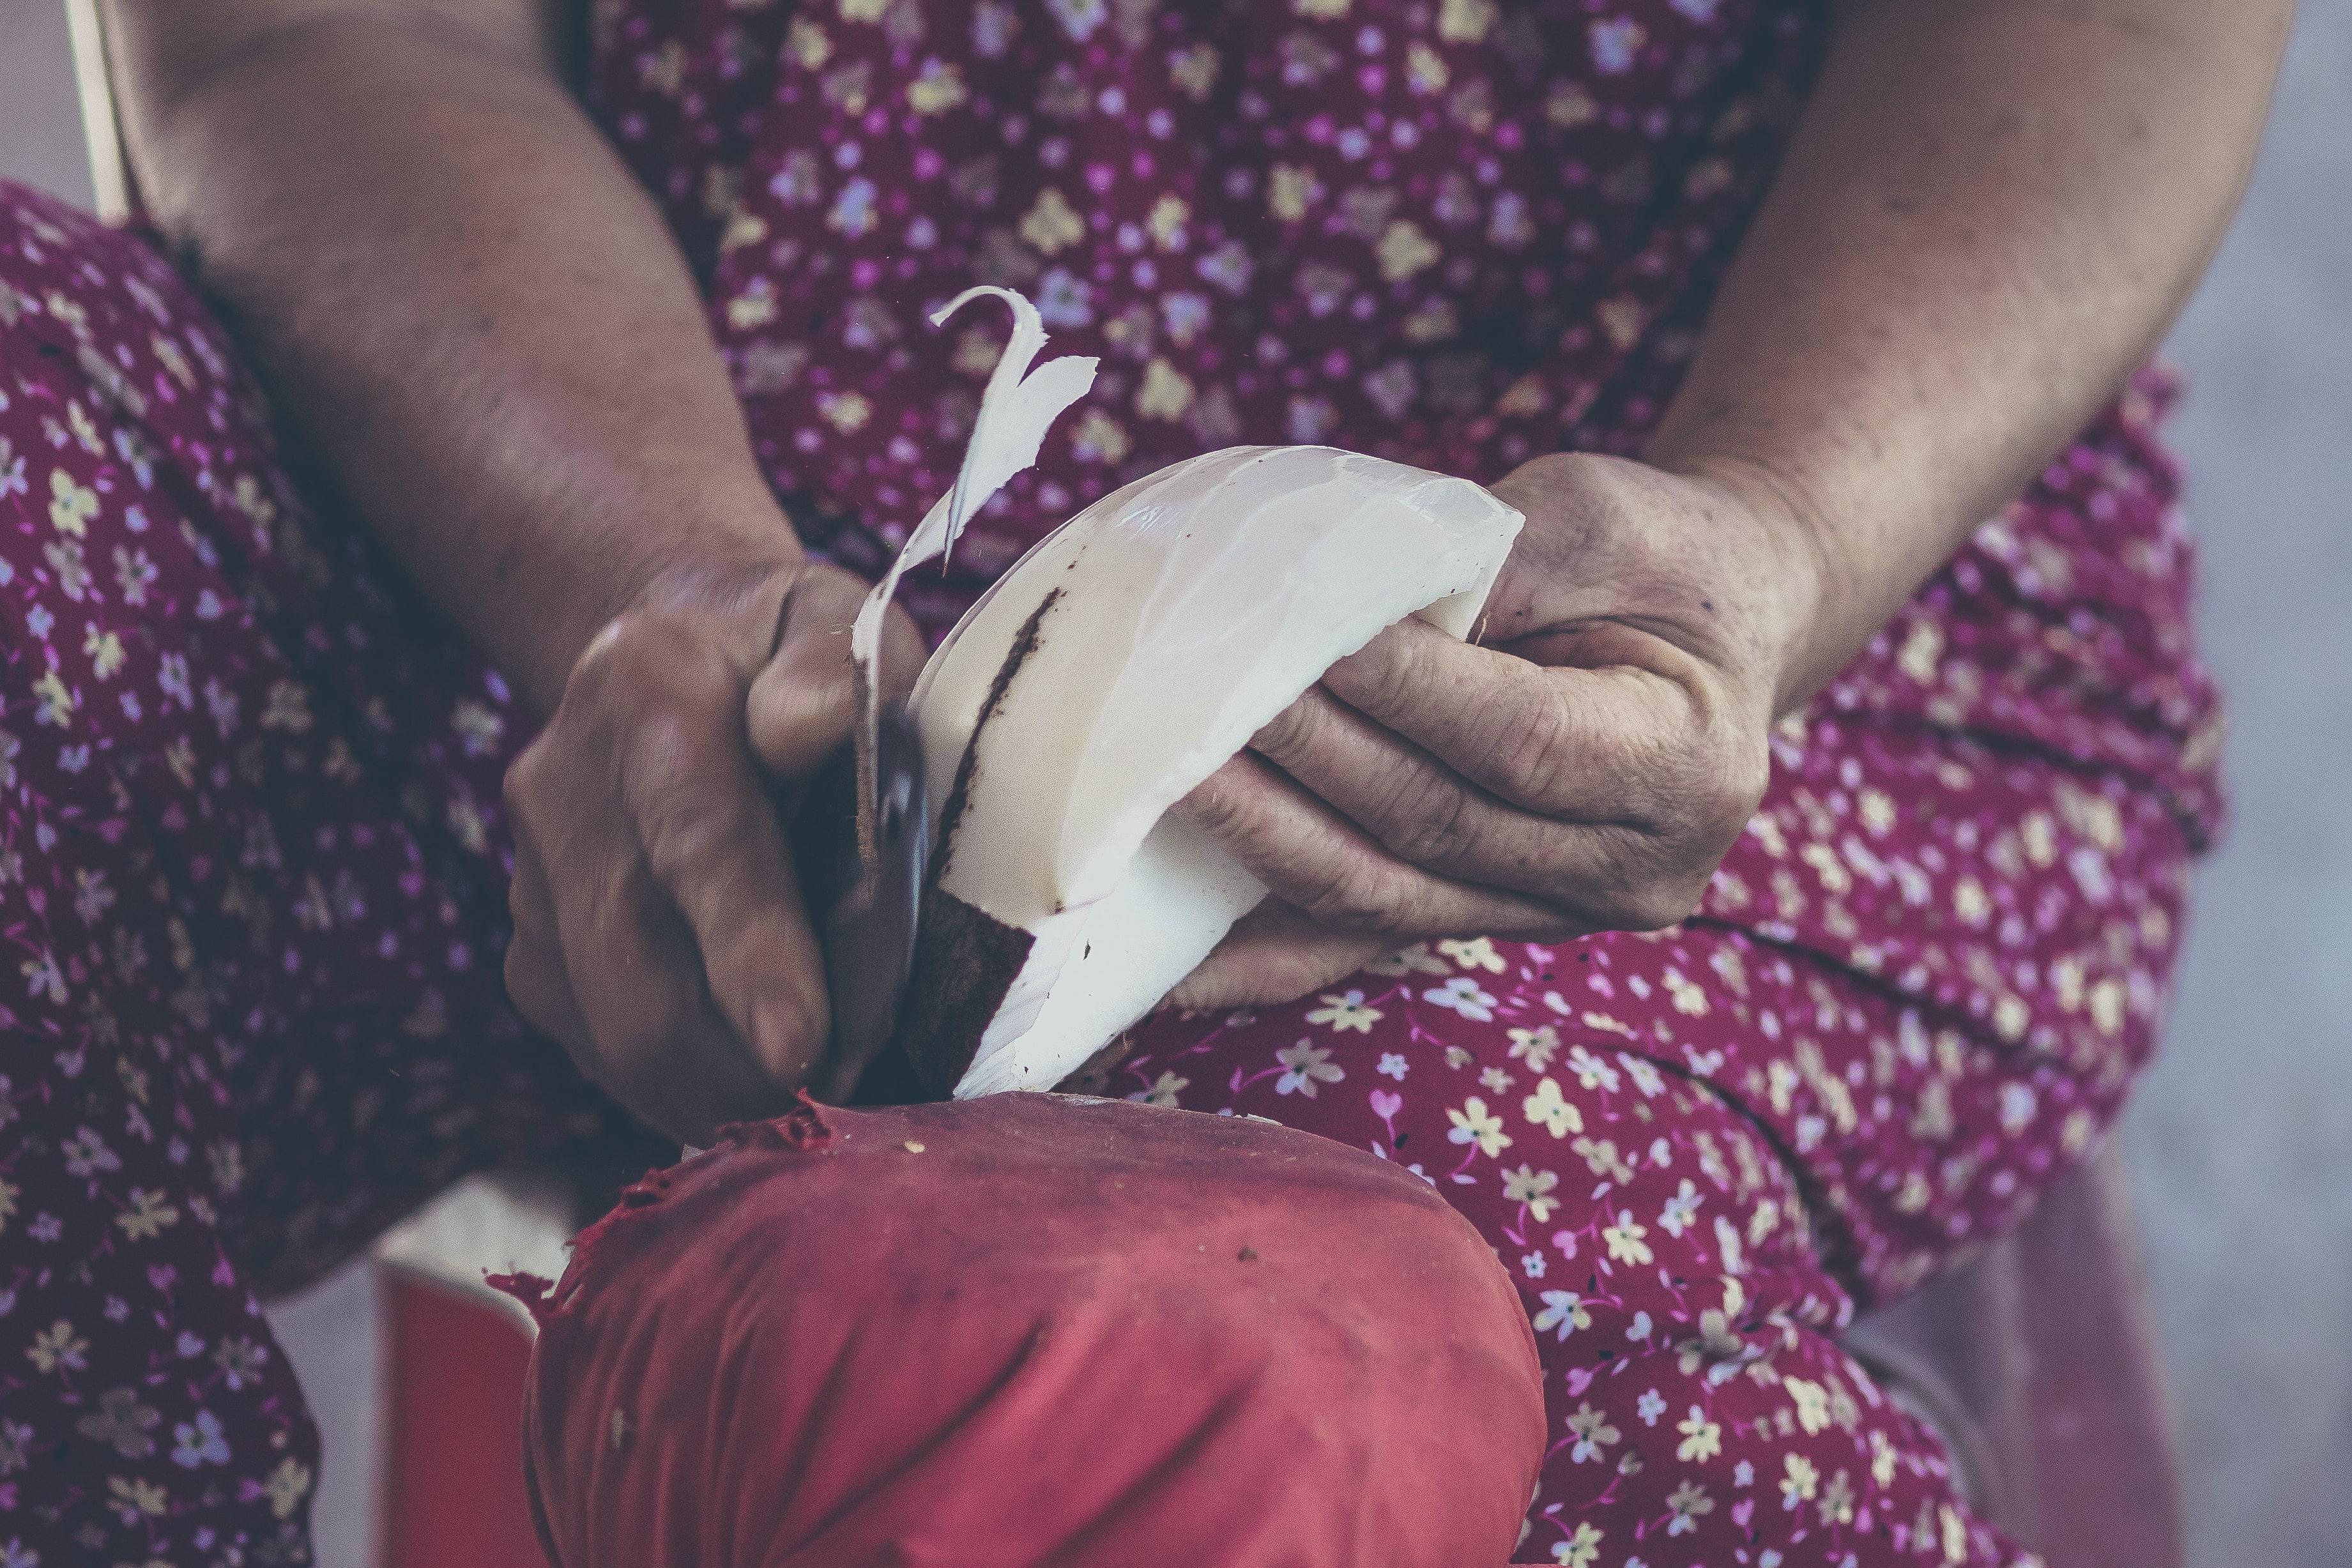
x: 1583, y: 767
x: 659, y: 927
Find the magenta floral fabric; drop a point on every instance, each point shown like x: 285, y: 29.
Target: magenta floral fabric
x: 252, y: 886
x: 252, y: 859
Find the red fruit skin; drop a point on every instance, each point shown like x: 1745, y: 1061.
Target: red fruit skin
x: 1031, y: 1329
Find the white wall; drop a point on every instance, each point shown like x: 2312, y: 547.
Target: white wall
x: 2242, y: 1138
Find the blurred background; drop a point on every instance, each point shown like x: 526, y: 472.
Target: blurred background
x: 2241, y: 1140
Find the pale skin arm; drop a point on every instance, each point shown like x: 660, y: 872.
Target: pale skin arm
x: 475, y: 318
x: 1990, y: 213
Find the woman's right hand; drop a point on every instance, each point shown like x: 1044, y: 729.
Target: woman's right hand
x: 659, y: 927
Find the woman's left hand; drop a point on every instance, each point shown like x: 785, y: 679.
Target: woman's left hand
x: 1582, y: 767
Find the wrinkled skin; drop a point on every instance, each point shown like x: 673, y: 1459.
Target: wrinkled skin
x: 1581, y: 766
x: 659, y: 934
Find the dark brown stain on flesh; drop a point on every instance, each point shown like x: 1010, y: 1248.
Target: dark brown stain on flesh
x: 1024, y: 643
x: 965, y: 959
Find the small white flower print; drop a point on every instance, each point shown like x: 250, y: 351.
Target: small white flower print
x: 1394, y: 1065
x: 1563, y: 1313
x: 1079, y: 18
x: 1680, y: 1211
x: 1593, y: 1432
x: 1228, y: 266
x: 1702, y: 1438
x: 1064, y: 299
x: 1728, y: 1244
x: 1617, y: 43
x: 1590, y: 1071
x: 1306, y: 1064
x: 1800, y: 1482
x: 1184, y: 316
x: 1536, y: 1047
x: 1462, y: 995
x: 1645, y: 1075
x: 87, y: 1153
x: 1415, y: 960
x: 201, y: 1444
x: 1686, y: 1502
x: 853, y: 211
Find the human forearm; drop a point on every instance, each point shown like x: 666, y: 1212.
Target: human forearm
x: 1990, y: 215
x: 467, y: 306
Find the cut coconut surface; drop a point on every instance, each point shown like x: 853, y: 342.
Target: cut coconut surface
x: 1129, y: 655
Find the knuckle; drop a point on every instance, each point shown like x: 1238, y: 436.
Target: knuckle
x: 1435, y: 818
x: 664, y: 749
x: 642, y: 658
x: 1215, y: 808
x: 1352, y: 894
x: 683, y: 838
x: 1533, y: 759
x: 522, y: 914
x: 519, y: 788
x: 1285, y: 734
x: 1717, y: 793
x: 1632, y: 888
x: 631, y: 642
x: 683, y: 768
x: 1747, y: 776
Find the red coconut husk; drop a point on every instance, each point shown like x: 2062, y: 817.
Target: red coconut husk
x: 1030, y: 1328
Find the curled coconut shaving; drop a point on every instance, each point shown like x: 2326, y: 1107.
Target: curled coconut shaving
x: 1015, y: 410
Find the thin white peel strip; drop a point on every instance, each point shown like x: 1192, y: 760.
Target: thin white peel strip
x: 1015, y: 410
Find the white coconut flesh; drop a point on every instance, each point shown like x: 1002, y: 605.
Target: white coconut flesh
x: 1130, y: 654
x: 1156, y: 632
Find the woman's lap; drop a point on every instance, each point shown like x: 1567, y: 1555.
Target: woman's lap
x: 1697, y: 1150
x: 1688, y: 1279
x: 254, y: 871
x: 253, y: 888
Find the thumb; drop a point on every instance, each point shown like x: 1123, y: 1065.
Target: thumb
x: 803, y: 703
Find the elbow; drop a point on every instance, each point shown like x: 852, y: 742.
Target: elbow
x: 184, y: 75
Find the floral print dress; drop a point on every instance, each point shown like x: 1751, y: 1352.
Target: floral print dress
x: 252, y: 853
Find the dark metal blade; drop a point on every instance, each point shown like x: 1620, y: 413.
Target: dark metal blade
x: 867, y: 913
